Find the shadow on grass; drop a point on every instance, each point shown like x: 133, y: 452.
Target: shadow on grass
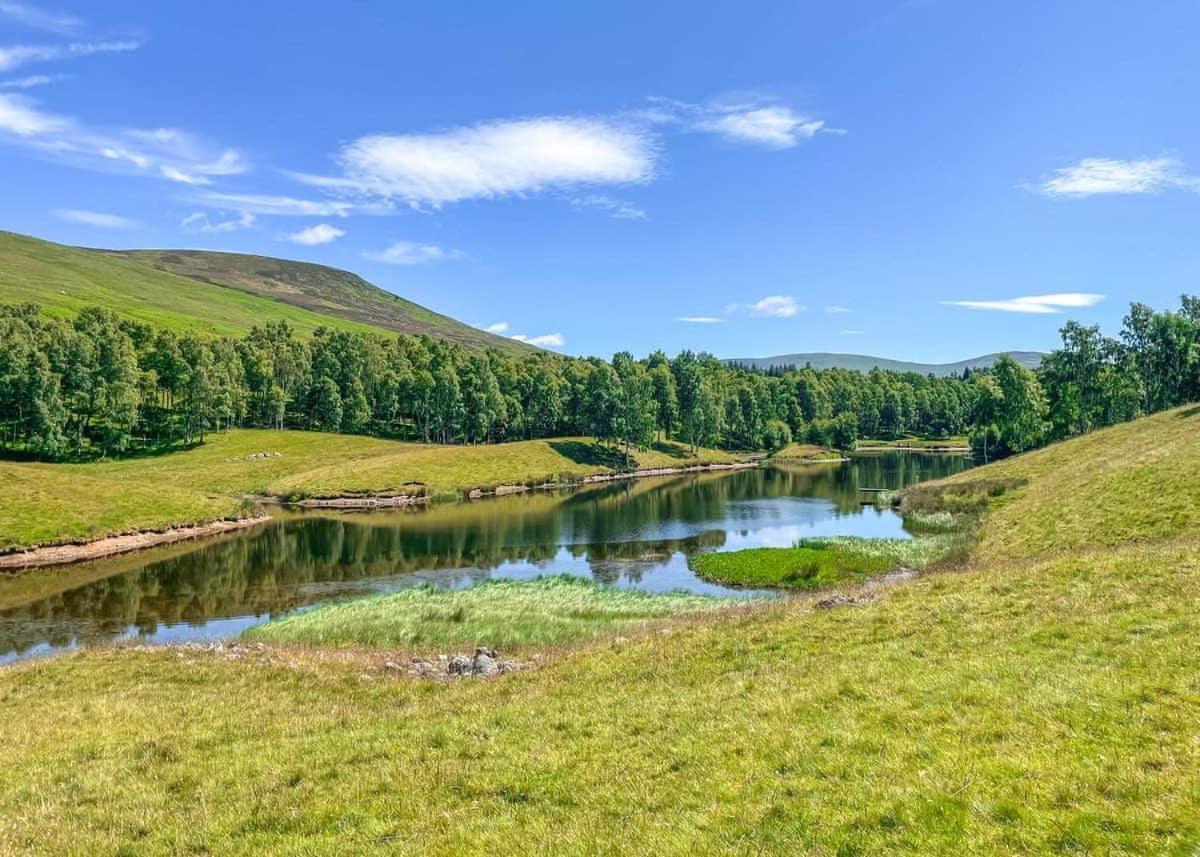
x: 591, y: 454
x: 672, y: 449
x: 1190, y: 412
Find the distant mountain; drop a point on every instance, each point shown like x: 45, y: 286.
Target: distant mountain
x: 216, y: 293
x: 865, y: 363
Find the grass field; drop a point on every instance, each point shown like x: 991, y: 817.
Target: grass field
x: 915, y: 443
x: 806, y: 452
x: 63, y: 502
x: 502, y: 614
x: 814, y: 563
x: 1043, y: 702
x: 214, y: 293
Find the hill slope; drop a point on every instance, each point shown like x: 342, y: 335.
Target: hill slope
x: 218, y: 293
x: 865, y: 363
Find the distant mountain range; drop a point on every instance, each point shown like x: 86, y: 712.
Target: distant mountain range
x: 865, y: 363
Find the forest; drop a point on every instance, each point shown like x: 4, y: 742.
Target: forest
x: 101, y: 385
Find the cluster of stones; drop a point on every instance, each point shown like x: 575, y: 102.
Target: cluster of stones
x: 485, y: 662
x: 259, y: 456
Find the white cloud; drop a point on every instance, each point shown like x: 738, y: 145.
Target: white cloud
x: 752, y: 119
x: 94, y: 218
x: 498, y: 327
x: 39, y: 19
x: 617, y: 208
x: 548, y: 340
x: 277, y: 205
x: 322, y: 233
x: 835, y: 310
x: 493, y: 159
x: 774, y: 127
x: 412, y: 253
x: 700, y: 319
x: 14, y: 56
x: 775, y: 306
x: 18, y: 116
x: 199, y: 222
x: 1035, y: 304
x: 31, y: 81
x: 1093, y: 176
x: 852, y: 333
x: 163, y: 153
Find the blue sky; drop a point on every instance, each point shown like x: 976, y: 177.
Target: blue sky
x: 921, y: 180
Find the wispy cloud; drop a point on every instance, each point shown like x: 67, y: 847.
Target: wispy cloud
x: 1092, y: 176
x: 700, y: 319
x: 493, y: 159
x: 39, y: 19
x: 1034, y: 304
x: 852, y: 333
x: 277, y: 205
x: 15, y: 56
x: 752, y: 119
x: 166, y: 153
x: 835, y: 310
x: 412, y: 253
x: 617, y: 208
x: 200, y: 222
x: 775, y: 306
x: 32, y: 81
x: 95, y: 218
x: 548, y: 340
x: 498, y: 327
x: 322, y: 233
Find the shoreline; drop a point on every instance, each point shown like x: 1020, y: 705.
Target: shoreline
x: 404, y: 500
x: 66, y: 554
x: 69, y: 553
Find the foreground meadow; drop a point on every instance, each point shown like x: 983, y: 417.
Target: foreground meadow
x: 1037, y: 700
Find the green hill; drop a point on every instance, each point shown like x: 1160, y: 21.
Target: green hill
x: 216, y: 293
x: 865, y: 363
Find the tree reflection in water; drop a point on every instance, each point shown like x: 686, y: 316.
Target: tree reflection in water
x: 627, y: 533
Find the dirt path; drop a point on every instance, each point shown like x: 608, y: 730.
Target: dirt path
x: 62, y: 554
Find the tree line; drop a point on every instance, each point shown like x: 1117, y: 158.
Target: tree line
x: 100, y: 385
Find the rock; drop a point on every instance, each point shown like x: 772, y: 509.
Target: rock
x: 837, y: 600
x: 484, y: 662
x: 620, y: 640
x: 391, y: 665
x: 422, y: 668
x: 459, y: 665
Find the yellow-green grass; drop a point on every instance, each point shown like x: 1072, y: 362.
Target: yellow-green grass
x: 813, y: 563
x: 222, y: 294
x: 1031, y: 708
x: 957, y: 442
x: 1135, y: 481
x: 45, y: 503
x: 503, y: 614
x: 806, y: 452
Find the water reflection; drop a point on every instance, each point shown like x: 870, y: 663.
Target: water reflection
x: 636, y: 534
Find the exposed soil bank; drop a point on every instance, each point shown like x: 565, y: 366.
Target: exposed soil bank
x: 49, y: 555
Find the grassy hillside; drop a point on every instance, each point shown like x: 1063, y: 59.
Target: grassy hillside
x: 1045, y: 702
x: 865, y: 363
x: 1131, y: 482
x: 65, y: 502
x: 216, y: 293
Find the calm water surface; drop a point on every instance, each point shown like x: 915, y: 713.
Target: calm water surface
x: 635, y: 534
